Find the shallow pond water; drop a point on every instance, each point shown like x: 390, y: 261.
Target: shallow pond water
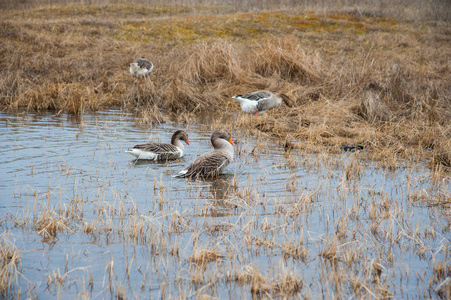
x: 91, y: 222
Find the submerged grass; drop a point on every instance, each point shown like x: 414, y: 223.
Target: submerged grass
x: 297, y: 226
x: 10, y: 260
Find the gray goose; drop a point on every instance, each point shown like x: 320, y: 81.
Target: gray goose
x: 162, y: 151
x: 261, y: 101
x: 141, y: 67
x: 212, y: 163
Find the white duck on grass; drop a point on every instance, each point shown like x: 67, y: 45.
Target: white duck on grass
x: 141, y: 67
x: 261, y: 101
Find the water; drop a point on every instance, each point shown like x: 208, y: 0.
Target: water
x: 91, y: 222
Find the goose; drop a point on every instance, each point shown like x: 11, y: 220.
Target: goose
x: 161, y: 151
x: 141, y: 67
x: 260, y: 101
x: 212, y: 163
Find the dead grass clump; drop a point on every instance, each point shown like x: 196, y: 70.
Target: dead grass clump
x: 55, y: 65
x: 285, y: 284
x: 43, y: 97
x: 149, y: 116
x: 398, y: 84
x: 287, y: 60
x: 10, y: 89
x: 72, y: 97
x: 441, y: 278
x: 442, y: 270
x: 373, y: 109
x: 9, y: 262
x: 442, y: 153
x: 249, y: 275
x: 444, y: 289
x: 216, y: 61
x: 203, y: 257
x: 198, y: 81
x: 142, y: 97
x: 297, y: 251
x: 288, y: 284
x: 49, y: 223
x: 330, y: 250
x: 353, y: 170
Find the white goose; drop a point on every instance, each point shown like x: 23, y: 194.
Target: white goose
x: 162, y: 151
x: 260, y: 101
x: 212, y: 163
x: 141, y: 67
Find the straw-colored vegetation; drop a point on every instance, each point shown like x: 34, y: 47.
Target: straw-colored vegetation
x: 9, y: 267
x: 354, y: 75
x: 372, y: 77
x: 236, y: 236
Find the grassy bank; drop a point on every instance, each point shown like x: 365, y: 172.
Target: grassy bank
x: 376, y: 77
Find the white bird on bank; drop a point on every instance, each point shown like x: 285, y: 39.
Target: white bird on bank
x: 162, y: 151
x: 212, y: 163
x: 141, y: 67
x: 260, y: 101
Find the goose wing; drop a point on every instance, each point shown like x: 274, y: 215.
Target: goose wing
x: 163, y: 150
x: 144, y: 63
x: 257, y: 96
x: 266, y: 103
x: 208, y: 165
x: 157, y: 148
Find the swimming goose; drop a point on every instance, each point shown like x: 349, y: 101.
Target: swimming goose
x: 260, y: 101
x: 212, y: 163
x: 162, y: 151
x: 141, y: 67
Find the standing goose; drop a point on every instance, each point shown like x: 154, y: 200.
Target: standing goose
x: 162, y: 151
x: 212, y: 163
x: 260, y: 101
x: 141, y: 67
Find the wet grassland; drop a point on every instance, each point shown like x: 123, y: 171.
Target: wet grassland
x: 293, y: 215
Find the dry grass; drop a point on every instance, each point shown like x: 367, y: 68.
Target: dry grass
x: 283, y: 284
x: 357, y: 75
x: 404, y: 9
x: 9, y: 264
x: 205, y: 256
x: 354, y: 77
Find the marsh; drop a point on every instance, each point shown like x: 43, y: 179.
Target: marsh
x: 88, y: 220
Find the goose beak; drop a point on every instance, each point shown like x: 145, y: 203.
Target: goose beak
x: 187, y: 141
x: 231, y: 141
x: 256, y: 113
